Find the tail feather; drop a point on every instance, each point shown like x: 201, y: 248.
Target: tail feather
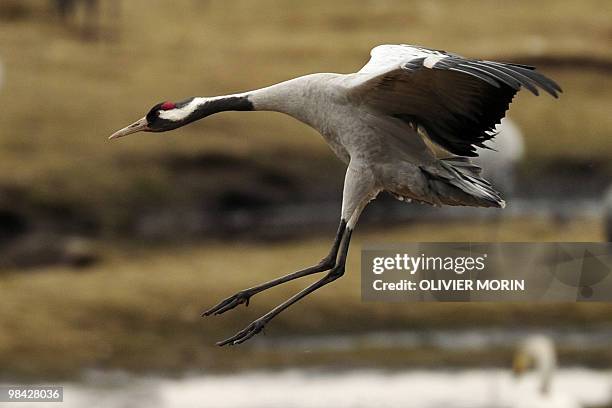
x: 456, y: 181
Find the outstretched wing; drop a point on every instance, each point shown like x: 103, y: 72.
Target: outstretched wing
x: 455, y: 100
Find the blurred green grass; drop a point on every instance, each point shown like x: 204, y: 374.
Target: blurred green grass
x: 140, y: 309
x: 63, y: 96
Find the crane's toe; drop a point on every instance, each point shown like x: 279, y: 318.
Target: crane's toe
x: 245, y: 334
x: 229, y: 303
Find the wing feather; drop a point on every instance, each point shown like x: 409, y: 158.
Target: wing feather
x: 494, y: 73
x: 457, y: 101
x: 523, y: 79
x: 477, y: 73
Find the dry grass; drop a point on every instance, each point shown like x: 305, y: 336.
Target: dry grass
x: 139, y: 310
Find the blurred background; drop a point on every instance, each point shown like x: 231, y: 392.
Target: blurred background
x: 110, y: 251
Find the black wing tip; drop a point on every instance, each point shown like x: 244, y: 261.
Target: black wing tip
x: 514, y: 75
x: 541, y: 80
x: 557, y: 88
x: 552, y: 92
x: 526, y: 75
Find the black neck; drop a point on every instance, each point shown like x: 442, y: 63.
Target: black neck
x: 230, y: 103
x: 210, y: 107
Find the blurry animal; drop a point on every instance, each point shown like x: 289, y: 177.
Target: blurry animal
x: 499, y: 166
x: 607, y: 208
x: 538, y: 353
x: 376, y: 121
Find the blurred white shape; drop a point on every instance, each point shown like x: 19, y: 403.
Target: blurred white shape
x: 607, y: 210
x: 499, y: 166
x: 339, y: 389
x: 538, y: 352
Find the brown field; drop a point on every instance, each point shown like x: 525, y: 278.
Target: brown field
x: 140, y: 309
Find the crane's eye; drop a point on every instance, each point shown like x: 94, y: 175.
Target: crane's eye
x: 167, y: 106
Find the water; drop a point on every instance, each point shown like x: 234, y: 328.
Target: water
x: 314, y: 388
x: 457, y: 340
x: 489, y: 388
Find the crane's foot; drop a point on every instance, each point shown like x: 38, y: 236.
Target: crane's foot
x: 229, y: 303
x: 245, y: 334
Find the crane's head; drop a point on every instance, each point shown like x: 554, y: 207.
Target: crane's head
x: 171, y: 115
x: 162, y: 117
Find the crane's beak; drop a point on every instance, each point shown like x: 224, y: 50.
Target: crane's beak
x: 137, y: 126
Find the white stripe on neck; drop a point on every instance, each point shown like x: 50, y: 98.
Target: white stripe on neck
x: 179, y: 114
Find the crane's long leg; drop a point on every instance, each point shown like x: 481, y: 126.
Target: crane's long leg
x: 256, y: 326
x: 244, y: 296
x: 359, y: 189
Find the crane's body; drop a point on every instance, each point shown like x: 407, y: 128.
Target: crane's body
x: 380, y: 121
x: 386, y: 152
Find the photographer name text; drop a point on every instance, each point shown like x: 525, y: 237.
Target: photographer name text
x: 457, y: 265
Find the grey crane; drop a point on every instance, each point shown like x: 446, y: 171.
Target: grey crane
x: 380, y: 122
